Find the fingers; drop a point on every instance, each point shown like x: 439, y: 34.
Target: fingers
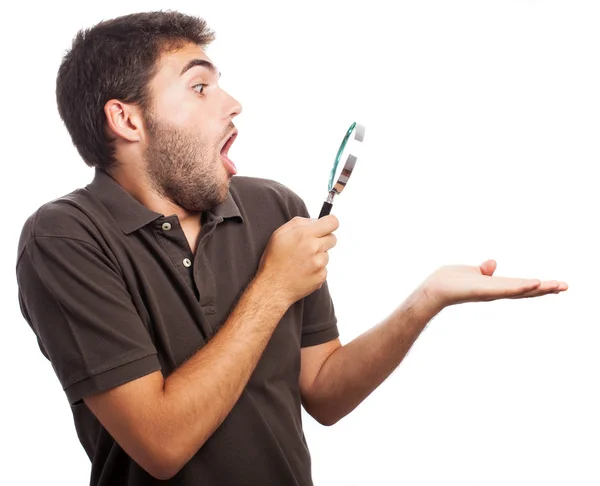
x: 314, y: 227
x: 545, y: 288
x: 512, y: 285
x: 517, y: 288
x: 324, y: 226
x: 328, y: 242
x: 484, y: 288
x: 493, y: 288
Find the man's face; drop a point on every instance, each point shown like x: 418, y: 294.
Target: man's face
x: 189, y: 130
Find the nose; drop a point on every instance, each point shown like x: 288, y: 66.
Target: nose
x: 234, y: 107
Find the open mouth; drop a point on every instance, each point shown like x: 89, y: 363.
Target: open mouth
x: 229, y: 165
x: 228, y: 143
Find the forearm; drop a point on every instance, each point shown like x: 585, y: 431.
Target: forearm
x: 353, y: 371
x: 198, y: 396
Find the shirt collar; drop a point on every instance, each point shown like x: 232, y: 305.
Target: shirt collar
x: 131, y: 215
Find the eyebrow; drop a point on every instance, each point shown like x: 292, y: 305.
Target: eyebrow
x: 200, y: 62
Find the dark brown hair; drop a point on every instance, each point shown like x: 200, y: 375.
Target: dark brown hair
x: 116, y: 59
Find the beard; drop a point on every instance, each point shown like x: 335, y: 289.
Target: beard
x: 185, y: 168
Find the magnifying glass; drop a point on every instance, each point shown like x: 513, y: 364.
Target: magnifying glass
x: 340, y: 173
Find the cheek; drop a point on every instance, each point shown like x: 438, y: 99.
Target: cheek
x: 175, y: 109
x: 185, y: 114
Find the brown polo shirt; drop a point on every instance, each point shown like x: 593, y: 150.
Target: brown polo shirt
x: 113, y: 292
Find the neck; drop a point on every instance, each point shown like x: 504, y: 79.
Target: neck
x: 136, y: 183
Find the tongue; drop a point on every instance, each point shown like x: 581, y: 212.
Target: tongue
x: 229, y: 165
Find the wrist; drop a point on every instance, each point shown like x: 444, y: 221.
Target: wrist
x: 267, y: 290
x: 426, y: 300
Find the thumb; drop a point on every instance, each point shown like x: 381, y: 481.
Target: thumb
x: 488, y: 267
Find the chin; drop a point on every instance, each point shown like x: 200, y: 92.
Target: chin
x: 225, y: 189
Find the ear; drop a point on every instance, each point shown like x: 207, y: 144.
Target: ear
x: 124, y: 120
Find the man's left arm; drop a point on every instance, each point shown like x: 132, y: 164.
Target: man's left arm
x: 335, y: 379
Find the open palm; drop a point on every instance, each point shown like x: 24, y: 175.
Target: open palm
x: 455, y: 284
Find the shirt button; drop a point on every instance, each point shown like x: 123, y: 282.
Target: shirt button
x: 166, y: 226
x: 187, y: 262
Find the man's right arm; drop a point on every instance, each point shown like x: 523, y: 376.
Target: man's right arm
x: 161, y: 423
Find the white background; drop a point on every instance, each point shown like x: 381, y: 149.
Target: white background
x: 482, y: 127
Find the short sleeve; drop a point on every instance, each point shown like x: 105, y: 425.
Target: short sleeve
x: 319, y: 322
x: 77, y: 303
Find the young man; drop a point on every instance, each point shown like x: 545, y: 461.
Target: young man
x: 184, y: 310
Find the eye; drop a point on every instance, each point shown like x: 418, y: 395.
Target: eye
x: 199, y: 88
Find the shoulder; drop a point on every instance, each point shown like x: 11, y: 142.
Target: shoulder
x: 64, y: 217
x: 258, y: 186
x: 260, y: 194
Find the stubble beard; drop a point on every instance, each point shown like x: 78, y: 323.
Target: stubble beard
x: 184, y: 168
